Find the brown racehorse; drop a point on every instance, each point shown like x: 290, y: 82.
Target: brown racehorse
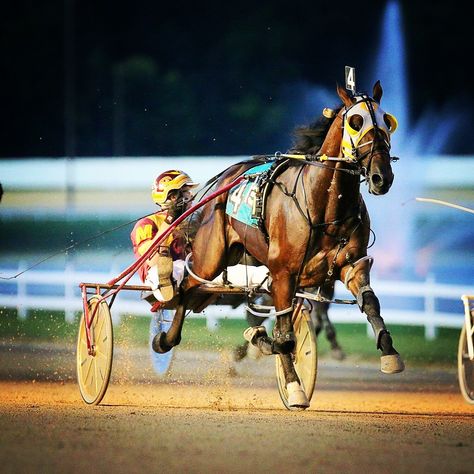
x: 318, y: 231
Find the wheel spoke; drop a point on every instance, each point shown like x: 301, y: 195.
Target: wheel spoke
x: 100, y: 354
x: 301, y: 346
x: 84, y: 341
x: 100, y: 324
x: 88, y: 370
x: 83, y: 361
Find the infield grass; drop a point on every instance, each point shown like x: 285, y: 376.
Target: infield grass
x: 50, y: 326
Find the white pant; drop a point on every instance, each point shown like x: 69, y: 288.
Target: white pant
x: 238, y: 275
x: 245, y: 275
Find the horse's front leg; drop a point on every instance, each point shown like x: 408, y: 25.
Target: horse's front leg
x: 283, y: 290
x: 358, y: 282
x: 283, y: 342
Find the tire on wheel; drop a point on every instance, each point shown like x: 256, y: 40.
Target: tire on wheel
x: 465, y: 368
x: 93, y: 370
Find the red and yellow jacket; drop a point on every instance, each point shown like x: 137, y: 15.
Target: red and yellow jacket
x: 143, y: 233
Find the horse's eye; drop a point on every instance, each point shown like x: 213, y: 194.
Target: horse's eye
x: 356, y: 121
x: 389, y: 122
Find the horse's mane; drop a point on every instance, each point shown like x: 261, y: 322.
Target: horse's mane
x: 309, y: 138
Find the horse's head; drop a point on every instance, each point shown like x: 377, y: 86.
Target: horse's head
x: 366, y: 137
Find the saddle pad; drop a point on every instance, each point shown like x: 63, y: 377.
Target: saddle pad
x: 241, y: 199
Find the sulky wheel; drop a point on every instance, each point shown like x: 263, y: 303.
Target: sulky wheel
x: 305, y: 356
x: 161, y: 322
x: 465, y: 368
x: 93, y: 370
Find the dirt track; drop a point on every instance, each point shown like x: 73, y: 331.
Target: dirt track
x: 200, y: 420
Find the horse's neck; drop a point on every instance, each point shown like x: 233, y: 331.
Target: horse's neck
x: 343, y: 188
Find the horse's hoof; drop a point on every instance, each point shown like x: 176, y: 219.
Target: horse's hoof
x: 297, y: 399
x: 240, y: 352
x: 158, y: 344
x: 391, y: 364
x: 338, y: 354
x: 251, y: 334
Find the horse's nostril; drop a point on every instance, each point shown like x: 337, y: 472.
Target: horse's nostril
x: 377, y: 180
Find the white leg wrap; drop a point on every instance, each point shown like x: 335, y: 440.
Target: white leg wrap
x: 296, y: 396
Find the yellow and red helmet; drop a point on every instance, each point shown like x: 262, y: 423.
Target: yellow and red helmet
x: 166, y: 182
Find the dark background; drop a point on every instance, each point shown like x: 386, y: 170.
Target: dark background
x: 108, y: 78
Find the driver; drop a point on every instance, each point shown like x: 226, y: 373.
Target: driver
x: 171, y: 191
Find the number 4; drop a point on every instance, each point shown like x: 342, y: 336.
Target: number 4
x: 236, y: 198
x: 350, y: 78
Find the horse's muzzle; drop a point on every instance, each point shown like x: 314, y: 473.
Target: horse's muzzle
x: 380, y: 183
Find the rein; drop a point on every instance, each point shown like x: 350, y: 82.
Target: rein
x: 319, y: 160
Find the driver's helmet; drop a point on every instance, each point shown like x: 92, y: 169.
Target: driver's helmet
x: 168, y: 181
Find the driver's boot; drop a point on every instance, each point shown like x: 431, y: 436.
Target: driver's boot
x: 165, y: 270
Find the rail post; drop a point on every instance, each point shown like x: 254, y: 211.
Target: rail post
x: 431, y: 331
x: 212, y: 323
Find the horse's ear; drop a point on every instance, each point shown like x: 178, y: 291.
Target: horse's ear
x: 377, y: 92
x: 341, y: 92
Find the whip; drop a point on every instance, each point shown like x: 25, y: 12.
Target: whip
x: 445, y: 203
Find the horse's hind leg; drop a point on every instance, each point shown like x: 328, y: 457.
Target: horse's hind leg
x: 208, y: 262
x: 316, y: 318
x: 320, y: 318
x: 330, y: 331
x: 242, y: 350
x: 327, y: 290
x: 165, y: 341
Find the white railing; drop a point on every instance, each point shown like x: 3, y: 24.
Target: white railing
x: 17, y: 293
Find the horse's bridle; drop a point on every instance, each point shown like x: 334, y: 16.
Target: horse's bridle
x: 367, y: 108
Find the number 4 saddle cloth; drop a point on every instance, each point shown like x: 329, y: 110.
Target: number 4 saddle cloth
x: 245, y: 201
